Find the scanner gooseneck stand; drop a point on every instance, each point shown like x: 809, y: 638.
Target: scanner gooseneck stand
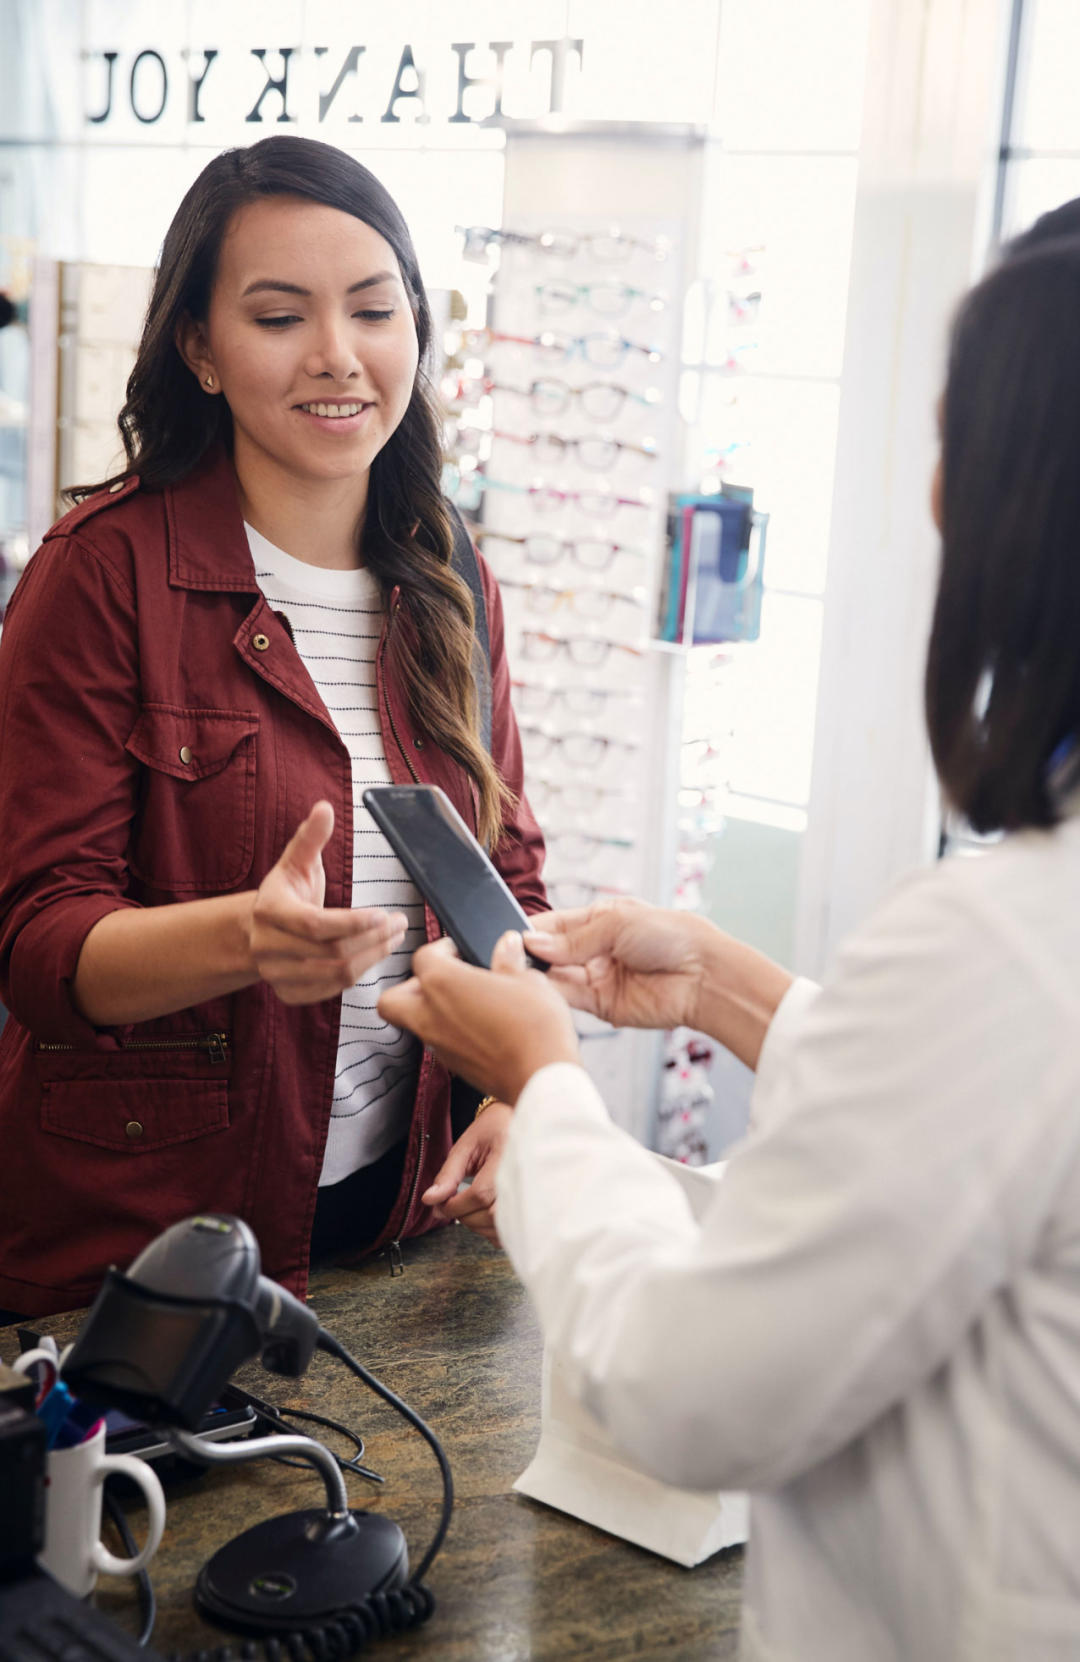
x: 301, y: 1569
x: 161, y: 1343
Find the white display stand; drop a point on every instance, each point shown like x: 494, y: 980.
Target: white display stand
x: 578, y: 1469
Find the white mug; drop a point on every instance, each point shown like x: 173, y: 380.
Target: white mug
x: 23, y: 1364
x: 73, y: 1552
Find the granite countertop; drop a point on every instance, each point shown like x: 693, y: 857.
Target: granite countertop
x: 454, y: 1336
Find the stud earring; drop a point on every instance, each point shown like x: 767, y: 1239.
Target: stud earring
x: 209, y: 380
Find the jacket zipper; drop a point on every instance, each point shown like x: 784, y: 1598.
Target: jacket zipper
x: 406, y: 758
x: 393, y: 1249
x: 216, y: 1045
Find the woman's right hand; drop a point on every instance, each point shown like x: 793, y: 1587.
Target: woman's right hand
x: 633, y: 964
x: 304, y: 950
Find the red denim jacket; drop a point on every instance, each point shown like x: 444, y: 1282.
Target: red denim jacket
x: 160, y: 740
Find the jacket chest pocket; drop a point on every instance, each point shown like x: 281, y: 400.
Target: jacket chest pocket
x: 195, y: 828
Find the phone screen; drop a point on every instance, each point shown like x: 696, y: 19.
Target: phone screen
x: 448, y: 866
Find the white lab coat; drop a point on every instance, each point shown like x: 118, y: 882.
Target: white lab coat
x: 875, y: 1328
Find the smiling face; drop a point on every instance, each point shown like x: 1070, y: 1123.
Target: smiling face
x: 311, y: 339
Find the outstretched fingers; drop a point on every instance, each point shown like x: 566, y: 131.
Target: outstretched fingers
x: 565, y: 938
x: 311, y: 836
x: 327, y: 926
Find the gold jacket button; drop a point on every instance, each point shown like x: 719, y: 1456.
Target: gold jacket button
x: 133, y: 1129
x: 185, y: 754
x: 260, y: 642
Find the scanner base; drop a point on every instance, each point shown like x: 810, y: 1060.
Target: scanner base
x: 300, y: 1570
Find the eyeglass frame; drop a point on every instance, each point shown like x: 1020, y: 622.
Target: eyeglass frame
x: 545, y: 242
x: 599, y: 695
x: 567, y: 548
x: 607, y: 501
x: 610, y: 597
x: 567, y: 643
x: 530, y: 732
x: 485, y: 386
x: 567, y: 346
x: 585, y: 296
x: 647, y: 451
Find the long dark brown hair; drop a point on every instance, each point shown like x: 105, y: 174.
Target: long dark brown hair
x: 1003, y: 669
x: 168, y: 425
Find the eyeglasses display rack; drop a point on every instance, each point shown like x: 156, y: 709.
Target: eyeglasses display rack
x: 560, y: 425
x: 576, y: 424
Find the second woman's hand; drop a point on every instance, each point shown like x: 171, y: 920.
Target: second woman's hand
x: 494, y: 1027
x: 640, y: 966
x: 632, y: 964
x: 304, y: 950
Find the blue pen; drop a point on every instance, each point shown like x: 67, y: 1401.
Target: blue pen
x: 54, y: 1410
x: 80, y: 1425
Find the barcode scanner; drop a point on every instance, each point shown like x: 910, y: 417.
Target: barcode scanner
x: 161, y: 1343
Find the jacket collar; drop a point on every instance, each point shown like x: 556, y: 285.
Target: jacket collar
x: 208, y: 546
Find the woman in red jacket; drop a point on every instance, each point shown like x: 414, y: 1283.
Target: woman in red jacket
x: 203, y: 666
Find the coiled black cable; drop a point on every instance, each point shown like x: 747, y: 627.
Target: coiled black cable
x: 376, y: 1617
x: 379, y: 1614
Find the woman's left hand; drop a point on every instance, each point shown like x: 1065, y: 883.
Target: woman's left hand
x: 476, y: 1154
x: 494, y: 1027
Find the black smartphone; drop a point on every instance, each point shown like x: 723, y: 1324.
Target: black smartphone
x: 448, y: 866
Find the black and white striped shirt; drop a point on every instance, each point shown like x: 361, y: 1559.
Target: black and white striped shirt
x: 336, y: 618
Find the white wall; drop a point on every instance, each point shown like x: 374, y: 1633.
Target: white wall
x: 929, y: 131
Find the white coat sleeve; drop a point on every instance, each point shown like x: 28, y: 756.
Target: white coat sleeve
x: 896, y: 1176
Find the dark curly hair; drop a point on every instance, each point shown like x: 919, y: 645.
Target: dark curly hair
x: 168, y: 425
